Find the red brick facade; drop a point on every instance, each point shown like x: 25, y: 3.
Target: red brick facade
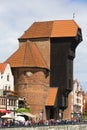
x: 67, y: 114
x: 33, y: 85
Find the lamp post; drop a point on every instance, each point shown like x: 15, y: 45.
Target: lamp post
x: 14, y: 117
x: 14, y: 111
x: 42, y: 116
x: 60, y: 114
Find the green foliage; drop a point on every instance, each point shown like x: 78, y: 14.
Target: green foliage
x: 19, y: 110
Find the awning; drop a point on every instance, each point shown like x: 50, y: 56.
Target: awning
x: 4, y: 111
x: 52, y: 94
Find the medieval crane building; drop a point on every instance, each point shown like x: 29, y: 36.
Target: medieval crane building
x: 43, y: 65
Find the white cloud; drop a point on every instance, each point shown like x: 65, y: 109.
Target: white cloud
x: 16, y: 16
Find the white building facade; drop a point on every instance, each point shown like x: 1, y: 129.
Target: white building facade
x: 8, y: 98
x: 75, y: 102
x: 6, y: 77
x: 77, y: 98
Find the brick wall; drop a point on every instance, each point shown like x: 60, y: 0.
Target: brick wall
x: 33, y: 85
x: 67, y: 112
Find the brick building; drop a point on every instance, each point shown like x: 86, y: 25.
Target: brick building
x: 43, y: 65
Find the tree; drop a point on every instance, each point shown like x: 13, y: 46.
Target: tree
x: 23, y: 110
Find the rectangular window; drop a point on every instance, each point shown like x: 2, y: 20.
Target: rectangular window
x: 5, y: 87
x: 9, y: 88
x: 7, y: 77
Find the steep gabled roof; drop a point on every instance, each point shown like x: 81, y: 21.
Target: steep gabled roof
x: 28, y: 55
x: 52, y: 94
x: 2, y: 67
x: 57, y: 28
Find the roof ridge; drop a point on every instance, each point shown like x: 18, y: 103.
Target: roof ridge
x: 28, y: 55
x: 25, y: 53
x: 31, y: 50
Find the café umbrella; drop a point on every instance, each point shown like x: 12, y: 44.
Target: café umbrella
x: 8, y: 116
x: 19, y: 118
x: 16, y: 118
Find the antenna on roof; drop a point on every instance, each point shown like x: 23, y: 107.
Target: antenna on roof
x: 73, y: 15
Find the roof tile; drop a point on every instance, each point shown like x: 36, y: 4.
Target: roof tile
x: 38, y: 29
x: 64, y: 28
x: 28, y: 55
x: 52, y: 96
x: 57, y: 28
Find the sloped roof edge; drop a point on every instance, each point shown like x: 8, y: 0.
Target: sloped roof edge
x: 28, y: 55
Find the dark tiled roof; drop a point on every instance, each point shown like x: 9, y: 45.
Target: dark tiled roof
x: 57, y: 28
x: 28, y: 55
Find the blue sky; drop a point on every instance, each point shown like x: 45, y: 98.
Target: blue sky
x: 17, y: 16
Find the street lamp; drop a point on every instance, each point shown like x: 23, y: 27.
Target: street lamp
x: 42, y: 115
x: 60, y: 114
x: 14, y: 117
